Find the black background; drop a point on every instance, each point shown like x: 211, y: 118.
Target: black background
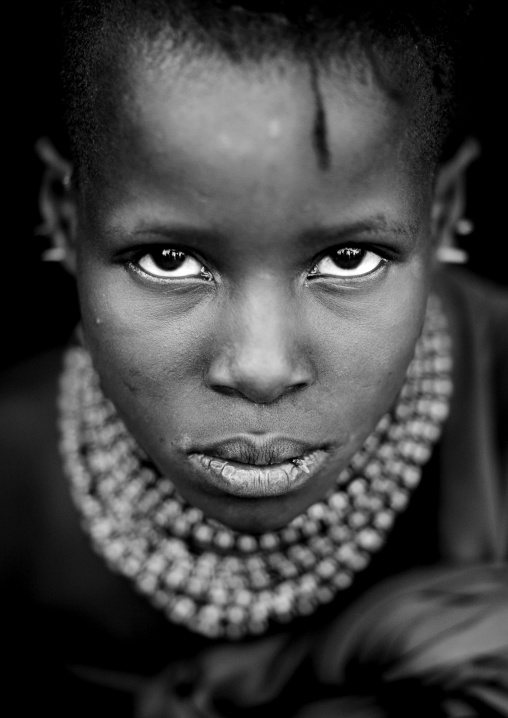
x: 38, y: 299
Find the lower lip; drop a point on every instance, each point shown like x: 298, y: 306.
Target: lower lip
x: 250, y: 481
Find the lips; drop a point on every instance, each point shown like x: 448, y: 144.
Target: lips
x: 260, y: 451
x: 266, y: 466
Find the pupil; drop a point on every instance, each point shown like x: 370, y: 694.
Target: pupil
x: 169, y: 259
x: 349, y: 257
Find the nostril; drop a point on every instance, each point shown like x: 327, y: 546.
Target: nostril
x: 294, y: 388
x: 257, y: 393
x: 259, y: 372
x: 297, y: 387
x: 225, y: 390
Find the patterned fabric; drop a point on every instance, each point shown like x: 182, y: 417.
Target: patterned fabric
x: 431, y: 643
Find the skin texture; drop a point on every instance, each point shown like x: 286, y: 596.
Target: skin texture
x: 220, y: 164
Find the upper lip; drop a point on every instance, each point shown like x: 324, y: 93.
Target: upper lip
x: 259, y: 450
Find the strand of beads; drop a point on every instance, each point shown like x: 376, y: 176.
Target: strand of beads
x: 219, y: 582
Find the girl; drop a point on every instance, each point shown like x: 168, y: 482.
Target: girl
x: 269, y: 472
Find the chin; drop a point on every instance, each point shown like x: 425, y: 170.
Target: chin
x: 263, y: 517
x: 256, y: 515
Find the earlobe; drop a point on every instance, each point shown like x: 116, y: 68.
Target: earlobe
x: 57, y: 205
x: 449, y: 205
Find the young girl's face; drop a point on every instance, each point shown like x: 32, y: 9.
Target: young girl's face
x: 247, y: 300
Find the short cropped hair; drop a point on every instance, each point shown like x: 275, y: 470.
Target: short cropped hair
x: 411, y: 49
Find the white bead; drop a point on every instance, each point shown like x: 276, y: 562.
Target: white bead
x: 357, y: 487
x: 310, y: 528
x: 282, y: 605
x: 134, y: 516
x: 195, y: 586
x: 369, y: 540
x: 203, y: 533
x: 316, y: 512
x: 373, y: 470
x: 338, y: 534
x: 224, y: 540
x: 243, y: 598
x: 182, y: 609
x: 358, y: 519
x: 147, y: 583
x: 247, y: 543
x: 289, y: 535
x: 235, y: 614
x: 269, y: 541
x: 326, y: 569
x: 411, y: 476
x: 399, y: 500
x: 384, y: 520
x: 342, y: 580
x: 219, y: 595
x: 339, y: 502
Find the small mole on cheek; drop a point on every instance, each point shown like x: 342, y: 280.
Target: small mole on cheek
x: 131, y: 387
x: 131, y: 382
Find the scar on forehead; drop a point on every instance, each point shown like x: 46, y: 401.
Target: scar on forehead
x: 320, y: 128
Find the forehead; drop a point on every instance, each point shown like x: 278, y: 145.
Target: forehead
x: 188, y: 132
x: 237, y: 106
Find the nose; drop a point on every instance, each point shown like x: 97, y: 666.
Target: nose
x: 259, y: 353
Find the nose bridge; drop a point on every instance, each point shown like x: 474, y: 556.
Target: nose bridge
x: 264, y: 321
x: 261, y: 357
x: 262, y: 341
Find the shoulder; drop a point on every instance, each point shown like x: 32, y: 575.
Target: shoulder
x: 28, y: 449
x: 28, y: 405
x: 478, y: 314
x: 483, y: 297
x: 477, y: 311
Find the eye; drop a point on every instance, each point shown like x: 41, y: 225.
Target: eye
x: 347, y: 262
x: 168, y: 263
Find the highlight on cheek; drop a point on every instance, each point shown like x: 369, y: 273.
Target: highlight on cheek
x: 167, y: 263
x: 348, y: 262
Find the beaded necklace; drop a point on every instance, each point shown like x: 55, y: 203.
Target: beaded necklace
x: 220, y: 582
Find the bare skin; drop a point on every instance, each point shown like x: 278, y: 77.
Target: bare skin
x: 261, y: 331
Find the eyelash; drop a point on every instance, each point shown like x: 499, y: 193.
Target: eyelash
x: 135, y: 264
x: 351, y: 253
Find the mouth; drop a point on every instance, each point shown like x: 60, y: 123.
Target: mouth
x: 249, y: 468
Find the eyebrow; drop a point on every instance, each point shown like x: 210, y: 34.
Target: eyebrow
x: 182, y: 230
x: 330, y: 234
x: 375, y: 224
x: 177, y: 231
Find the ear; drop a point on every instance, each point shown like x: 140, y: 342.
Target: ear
x: 58, y: 204
x: 449, y: 204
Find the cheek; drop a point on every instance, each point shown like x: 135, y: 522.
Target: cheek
x: 151, y: 353
x: 368, y: 346
x: 147, y: 351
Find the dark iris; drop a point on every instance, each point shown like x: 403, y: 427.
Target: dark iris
x: 168, y: 259
x: 348, y: 257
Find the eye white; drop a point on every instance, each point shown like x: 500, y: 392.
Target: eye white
x: 348, y: 262
x: 170, y: 264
